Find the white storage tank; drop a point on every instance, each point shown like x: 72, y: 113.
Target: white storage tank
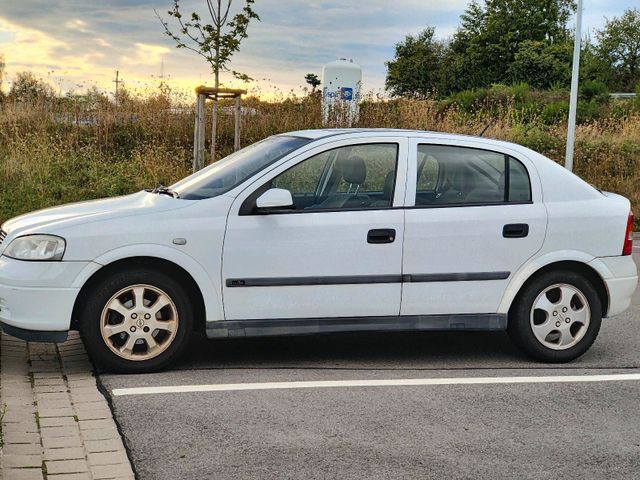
x: 342, y: 82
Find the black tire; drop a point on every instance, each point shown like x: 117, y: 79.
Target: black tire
x: 90, y: 328
x: 521, y: 331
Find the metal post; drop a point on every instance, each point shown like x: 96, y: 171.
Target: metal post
x: 198, y: 135
x: 238, y: 112
x: 573, y: 101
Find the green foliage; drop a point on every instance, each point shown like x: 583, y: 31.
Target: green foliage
x: 417, y: 67
x: 216, y: 41
x: 490, y: 35
x: 313, y: 81
x: 554, y: 112
x: 595, y: 90
x: 542, y: 64
x: 619, y: 44
x: 28, y: 88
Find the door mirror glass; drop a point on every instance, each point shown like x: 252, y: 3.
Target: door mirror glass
x: 275, y: 198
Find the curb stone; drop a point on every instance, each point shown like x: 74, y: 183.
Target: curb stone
x: 57, y: 424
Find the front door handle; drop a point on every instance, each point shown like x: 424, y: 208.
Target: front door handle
x: 515, y: 230
x: 381, y: 235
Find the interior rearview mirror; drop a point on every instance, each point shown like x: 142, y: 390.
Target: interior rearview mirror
x: 274, y: 199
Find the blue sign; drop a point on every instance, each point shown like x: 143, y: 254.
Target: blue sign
x: 346, y: 94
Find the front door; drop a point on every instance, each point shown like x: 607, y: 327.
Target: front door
x: 338, y: 253
x: 475, y: 217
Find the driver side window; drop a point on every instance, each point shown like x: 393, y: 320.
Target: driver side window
x: 351, y: 177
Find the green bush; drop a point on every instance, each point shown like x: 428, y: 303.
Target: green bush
x: 595, y: 90
x: 554, y: 112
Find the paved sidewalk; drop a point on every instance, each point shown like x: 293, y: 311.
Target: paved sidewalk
x: 56, y: 425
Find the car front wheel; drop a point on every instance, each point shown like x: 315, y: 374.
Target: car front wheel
x: 557, y: 317
x: 137, y: 321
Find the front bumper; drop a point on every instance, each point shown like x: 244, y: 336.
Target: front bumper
x: 37, y: 296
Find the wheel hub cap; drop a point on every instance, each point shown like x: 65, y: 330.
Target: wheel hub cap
x: 560, y: 316
x: 139, y: 322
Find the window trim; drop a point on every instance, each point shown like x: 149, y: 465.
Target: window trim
x: 248, y: 205
x: 504, y: 202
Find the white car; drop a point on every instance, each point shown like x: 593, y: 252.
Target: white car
x: 328, y: 231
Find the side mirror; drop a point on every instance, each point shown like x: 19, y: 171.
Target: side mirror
x: 275, y: 199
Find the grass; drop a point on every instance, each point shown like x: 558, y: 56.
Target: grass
x: 59, y: 151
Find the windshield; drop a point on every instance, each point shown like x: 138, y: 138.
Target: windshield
x: 231, y: 171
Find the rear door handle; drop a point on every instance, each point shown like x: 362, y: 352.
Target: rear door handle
x: 515, y: 230
x: 381, y: 235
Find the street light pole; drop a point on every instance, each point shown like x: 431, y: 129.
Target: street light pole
x: 573, y: 101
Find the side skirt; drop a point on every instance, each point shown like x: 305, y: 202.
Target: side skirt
x: 309, y: 326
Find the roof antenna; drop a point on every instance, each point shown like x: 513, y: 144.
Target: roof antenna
x: 487, y: 127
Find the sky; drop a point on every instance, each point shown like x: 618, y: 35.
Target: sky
x: 76, y: 44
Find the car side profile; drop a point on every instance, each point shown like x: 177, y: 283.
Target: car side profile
x: 328, y: 231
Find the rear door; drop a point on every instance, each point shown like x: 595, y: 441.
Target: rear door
x: 474, y: 216
x: 338, y: 253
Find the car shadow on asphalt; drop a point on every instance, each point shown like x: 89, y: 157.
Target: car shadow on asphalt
x: 397, y: 350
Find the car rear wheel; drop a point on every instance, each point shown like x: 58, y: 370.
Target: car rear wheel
x: 137, y: 321
x: 556, y: 317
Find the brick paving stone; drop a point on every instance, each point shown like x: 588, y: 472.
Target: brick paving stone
x: 98, y: 446
x: 71, y: 453
x: 56, y: 412
x: 66, y: 466
x: 107, y: 458
x: 86, y: 397
x: 62, y: 442
x: 22, y: 449
x: 95, y: 414
x: 50, y: 389
x: 19, y: 437
x: 75, y: 436
x: 111, y: 471
x: 21, y: 461
x: 23, y: 474
x: 70, y: 476
x: 95, y: 424
x: 57, y: 422
x: 21, y: 427
x: 53, y: 432
x: 101, y: 434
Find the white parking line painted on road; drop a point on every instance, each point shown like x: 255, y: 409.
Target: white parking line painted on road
x: 400, y: 382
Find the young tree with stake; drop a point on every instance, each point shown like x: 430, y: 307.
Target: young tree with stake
x: 216, y: 41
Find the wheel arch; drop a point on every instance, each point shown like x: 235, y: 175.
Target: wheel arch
x: 582, y: 267
x: 196, y: 293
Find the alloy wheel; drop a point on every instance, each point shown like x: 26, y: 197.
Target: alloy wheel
x: 560, y: 316
x: 139, y: 322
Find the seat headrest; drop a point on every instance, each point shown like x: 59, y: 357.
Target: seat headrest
x: 354, y: 170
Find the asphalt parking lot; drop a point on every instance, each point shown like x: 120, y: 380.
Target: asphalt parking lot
x: 546, y: 430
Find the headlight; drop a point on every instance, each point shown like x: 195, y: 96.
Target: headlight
x: 36, y: 248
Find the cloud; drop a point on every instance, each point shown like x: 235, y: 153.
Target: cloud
x: 145, y: 54
x: 84, y: 42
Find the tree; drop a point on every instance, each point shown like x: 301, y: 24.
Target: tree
x: 216, y: 41
x: 27, y: 88
x: 417, y: 67
x: 2, y: 67
x: 619, y: 44
x: 313, y: 81
x: 542, y: 64
x: 489, y: 36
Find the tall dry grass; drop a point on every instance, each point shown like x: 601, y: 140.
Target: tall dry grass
x: 53, y: 152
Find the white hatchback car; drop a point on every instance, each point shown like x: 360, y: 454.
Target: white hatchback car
x: 328, y: 231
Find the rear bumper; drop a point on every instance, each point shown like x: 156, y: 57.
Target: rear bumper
x: 620, y: 276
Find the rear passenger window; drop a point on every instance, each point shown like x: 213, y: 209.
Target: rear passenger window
x: 448, y: 175
x: 519, y: 186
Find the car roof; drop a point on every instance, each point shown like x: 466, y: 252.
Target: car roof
x: 316, y: 134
